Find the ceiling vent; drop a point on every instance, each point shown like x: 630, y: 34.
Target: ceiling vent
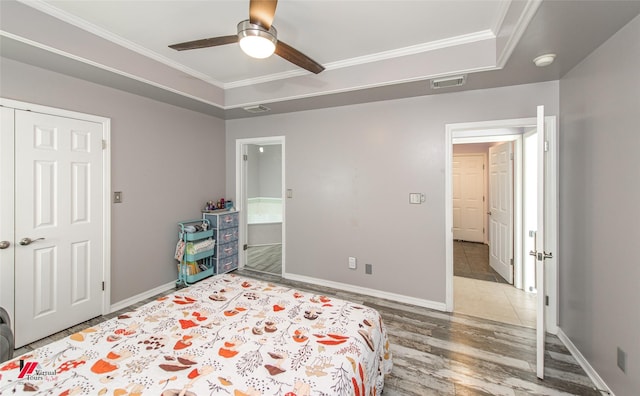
x: 257, y: 109
x: 447, y: 82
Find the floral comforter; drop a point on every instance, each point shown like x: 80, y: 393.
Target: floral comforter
x: 226, y: 335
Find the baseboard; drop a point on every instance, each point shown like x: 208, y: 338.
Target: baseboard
x: 584, y: 363
x: 369, y: 292
x: 142, y: 296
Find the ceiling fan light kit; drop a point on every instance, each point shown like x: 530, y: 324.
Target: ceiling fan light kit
x: 256, y: 41
x: 258, y: 38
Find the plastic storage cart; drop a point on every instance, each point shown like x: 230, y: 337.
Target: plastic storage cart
x: 197, y: 260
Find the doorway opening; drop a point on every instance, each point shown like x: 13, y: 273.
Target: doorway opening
x: 485, y: 182
x: 519, y: 132
x: 262, y: 204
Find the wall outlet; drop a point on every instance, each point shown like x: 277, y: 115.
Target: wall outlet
x: 622, y: 360
x: 352, y: 263
x: 368, y: 269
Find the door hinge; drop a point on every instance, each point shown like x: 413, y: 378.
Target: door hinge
x: 483, y: 230
x: 483, y: 198
x: 245, y: 157
x: 102, y: 285
x: 546, y: 300
x: 511, y: 262
x: 511, y: 156
x: 546, y: 145
x: 245, y: 247
x: 104, y: 144
x: 482, y: 166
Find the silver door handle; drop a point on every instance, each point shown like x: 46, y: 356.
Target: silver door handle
x: 541, y: 256
x: 4, y: 244
x: 27, y: 241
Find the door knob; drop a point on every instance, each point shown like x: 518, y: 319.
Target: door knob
x: 533, y: 253
x: 4, y: 244
x: 27, y: 241
x: 489, y: 213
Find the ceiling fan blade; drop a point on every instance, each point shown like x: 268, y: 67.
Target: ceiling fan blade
x: 261, y: 12
x: 297, y: 58
x: 204, y: 43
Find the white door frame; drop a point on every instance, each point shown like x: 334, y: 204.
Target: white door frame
x: 8, y: 286
x: 241, y: 192
x: 496, y: 130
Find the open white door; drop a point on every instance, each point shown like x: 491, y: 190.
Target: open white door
x: 501, y: 209
x: 540, y: 253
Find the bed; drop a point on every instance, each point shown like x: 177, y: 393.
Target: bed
x: 226, y: 335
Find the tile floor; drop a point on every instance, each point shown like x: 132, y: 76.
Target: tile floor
x: 480, y: 291
x: 495, y: 301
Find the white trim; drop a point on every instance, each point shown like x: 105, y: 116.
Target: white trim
x: 106, y: 180
x: 367, y: 291
x: 380, y: 56
x: 106, y: 68
x: 142, y: 296
x: 521, y: 25
x: 114, y: 38
x: 584, y: 363
x: 241, y: 175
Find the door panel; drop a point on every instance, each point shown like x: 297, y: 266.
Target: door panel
x: 468, y: 191
x: 501, y: 209
x: 58, y: 183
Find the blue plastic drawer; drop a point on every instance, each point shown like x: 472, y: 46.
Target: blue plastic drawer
x: 223, y: 220
x: 226, y: 235
x: 226, y: 250
x: 227, y: 264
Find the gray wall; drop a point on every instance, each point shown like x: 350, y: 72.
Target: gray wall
x: 167, y: 161
x: 599, y: 207
x: 352, y: 168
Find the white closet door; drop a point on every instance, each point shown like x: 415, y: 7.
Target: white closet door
x: 468, y: 192
x: 58, y: 206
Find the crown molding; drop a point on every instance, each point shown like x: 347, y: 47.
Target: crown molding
x: 380, y: 56
x: 104, y: 67
x: 71, y: 19
x: 527, y: 14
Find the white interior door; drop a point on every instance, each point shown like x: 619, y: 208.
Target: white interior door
x: 468, y: 192
x: 501, y: 209
x: 540, y: 254
x: 58, y: 223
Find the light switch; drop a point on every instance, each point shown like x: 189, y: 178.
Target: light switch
x: 415, y: 198
x: 117, y: 197
x: 289, y: 193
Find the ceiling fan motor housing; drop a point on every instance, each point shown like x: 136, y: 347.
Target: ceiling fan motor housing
x: 249, y: 33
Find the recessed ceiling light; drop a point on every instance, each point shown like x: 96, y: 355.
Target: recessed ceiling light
x: 544, y: 60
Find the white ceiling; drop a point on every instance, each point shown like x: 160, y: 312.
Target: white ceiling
x: 372, y: 50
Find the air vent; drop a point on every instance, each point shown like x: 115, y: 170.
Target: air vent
x: 446, y: 82
x: 257, y: 109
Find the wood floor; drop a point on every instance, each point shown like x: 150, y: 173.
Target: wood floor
x: 438, y: 353
x: 267, y: 258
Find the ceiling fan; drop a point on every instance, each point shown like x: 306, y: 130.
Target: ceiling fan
x: 258, y: 38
